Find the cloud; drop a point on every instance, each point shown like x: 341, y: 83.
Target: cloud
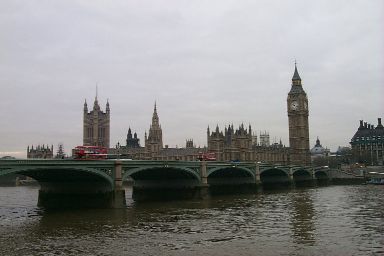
x: 204, y: 62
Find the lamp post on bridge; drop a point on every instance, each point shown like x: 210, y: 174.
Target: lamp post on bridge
x: 118, y: 150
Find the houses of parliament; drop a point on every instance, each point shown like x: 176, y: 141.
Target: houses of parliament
x: 230, y: 144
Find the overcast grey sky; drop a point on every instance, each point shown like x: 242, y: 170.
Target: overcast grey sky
x: 203, y: 62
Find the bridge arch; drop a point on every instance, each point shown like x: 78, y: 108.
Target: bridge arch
x: 167, y: 177
x: 321, y: 174
x: 301, y: 175
x: 156, y: 172
x: 274, y: 175
x: 56, y: 174
x: 230, y: 175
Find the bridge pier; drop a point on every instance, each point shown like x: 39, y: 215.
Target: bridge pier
x: 118, y: 200
x: 257, y: 174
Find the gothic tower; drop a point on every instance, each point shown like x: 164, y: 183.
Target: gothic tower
x: 96, y: 125
x: 154, y: 141
x: 297, y: 105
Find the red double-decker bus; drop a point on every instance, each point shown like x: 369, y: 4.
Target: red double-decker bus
x: 90, y: 153
x: 208, y: 156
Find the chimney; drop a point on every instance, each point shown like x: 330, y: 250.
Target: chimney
x: 361, y: 124
x: 379, y: 122
x: 365, y: 125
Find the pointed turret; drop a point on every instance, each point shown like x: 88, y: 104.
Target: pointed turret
x: 296, y: 83
x: 155, y: 117
x: 85, y: 106
x: 107, y: 109
x: 96, y: 105
x: 129, y: 133
x: 296, y: 75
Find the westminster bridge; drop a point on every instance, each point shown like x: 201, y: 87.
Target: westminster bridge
x: 65, y: 183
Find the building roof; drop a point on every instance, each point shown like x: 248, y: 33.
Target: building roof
x: 296, y: 74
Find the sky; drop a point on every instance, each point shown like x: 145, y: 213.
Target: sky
x: 205, y: 63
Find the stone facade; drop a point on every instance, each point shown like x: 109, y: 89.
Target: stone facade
x: 96, y: 125
x: 228, y: 145
x: 43, y: 151
x: 368, y: 143
x: 239, y: 145
x: 132, y: 141
x: 154, y: 149
x: 297, y: 105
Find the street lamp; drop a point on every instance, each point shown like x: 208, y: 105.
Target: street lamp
x: 118, y: 150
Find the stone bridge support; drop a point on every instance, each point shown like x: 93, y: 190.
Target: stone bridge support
x: 204, y: 187
x: 290, y: 176
x: 257, y: 174
x: 118, y: 200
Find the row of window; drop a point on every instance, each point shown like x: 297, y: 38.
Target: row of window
x: 368, y: 138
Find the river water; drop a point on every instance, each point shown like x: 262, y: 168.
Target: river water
x: 332, y: 220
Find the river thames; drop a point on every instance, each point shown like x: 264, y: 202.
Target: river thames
x: 332, y: 220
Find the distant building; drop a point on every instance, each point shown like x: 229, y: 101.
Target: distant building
x: 264, y: 139
x: 60, y: 154
x: 43, y: 151
x: 189, y: 143
x: 318, y: 150
x: 96, y: 125
x: 368, y: 143
x: 154, y: 140
x: 237, y: 145
x: 132, y: 141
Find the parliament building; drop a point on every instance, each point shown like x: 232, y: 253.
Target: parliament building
x: 229, y: 145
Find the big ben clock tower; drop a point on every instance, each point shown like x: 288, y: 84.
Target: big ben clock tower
x: 297, y: 104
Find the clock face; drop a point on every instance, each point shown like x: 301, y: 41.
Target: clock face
x: 294, y: 105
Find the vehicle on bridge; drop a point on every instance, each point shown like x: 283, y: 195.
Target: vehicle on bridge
x: 90, y: 153
x: 206, y: 156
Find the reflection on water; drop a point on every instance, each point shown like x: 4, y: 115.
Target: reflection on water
x: 302, y: 218
x: 336, y: 220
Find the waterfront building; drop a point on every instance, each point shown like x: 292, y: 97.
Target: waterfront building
x: 368, y: 143
x: 228, y: 145
x: 96, y: 125
x: 153, y: 148
x: 238, y: 145
x: 297, y: 105
x: 43, y: 151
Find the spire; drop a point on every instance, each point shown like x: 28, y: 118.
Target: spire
x: 296, y: 74
x: 96, y: 93
x: 155, y: 117
x: 96, y: 103
x: 85, y: 106
x: 107, y: 106
x: 129, y: 135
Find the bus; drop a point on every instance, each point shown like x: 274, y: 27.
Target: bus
x: 209, y: 156
x: 90, y: 153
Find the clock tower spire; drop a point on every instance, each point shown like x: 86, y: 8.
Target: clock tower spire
x: 297, y: 105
